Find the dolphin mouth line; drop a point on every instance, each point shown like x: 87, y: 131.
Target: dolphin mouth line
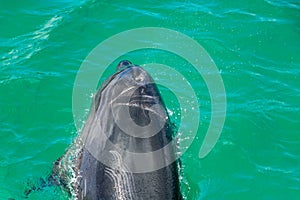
x: 144, y: 100
x: 122, y: 93
x: 142, y: 97
x: 133, y: 104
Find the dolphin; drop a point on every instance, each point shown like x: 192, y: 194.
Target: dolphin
x: 125, y: 150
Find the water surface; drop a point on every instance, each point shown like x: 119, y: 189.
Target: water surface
x: 255, y: 45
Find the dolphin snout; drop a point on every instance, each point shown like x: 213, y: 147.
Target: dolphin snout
x: 123, y: 64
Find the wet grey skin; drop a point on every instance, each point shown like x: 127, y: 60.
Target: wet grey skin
x: 103, y: 168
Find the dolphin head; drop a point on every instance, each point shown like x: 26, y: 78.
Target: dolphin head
x: 130, y: 112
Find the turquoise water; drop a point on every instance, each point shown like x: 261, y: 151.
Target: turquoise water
x: 255, y: 45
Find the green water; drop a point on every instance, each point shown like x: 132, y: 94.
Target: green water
x: 255, y: 45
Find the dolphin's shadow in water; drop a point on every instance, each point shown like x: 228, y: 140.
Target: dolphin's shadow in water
x: 100, y: 166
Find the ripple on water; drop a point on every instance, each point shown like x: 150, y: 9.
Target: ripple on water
x: 294, y: 4
x: 30, y: 44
